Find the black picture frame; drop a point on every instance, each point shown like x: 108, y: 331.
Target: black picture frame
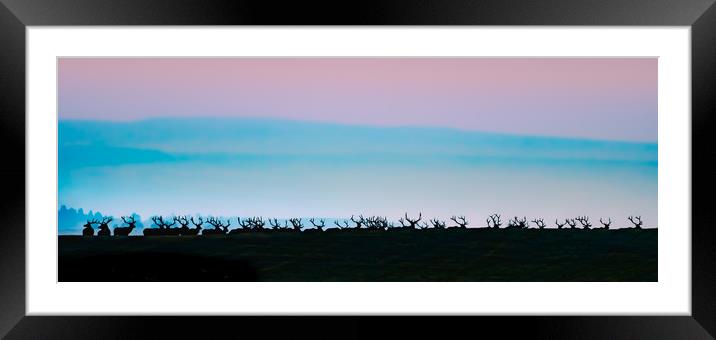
x: 15, y: 15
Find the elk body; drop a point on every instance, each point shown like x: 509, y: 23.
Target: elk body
x: 87, y: 229
x: 197, y: 227
x: 517, y: 223
x: 318, y: 226
x: 163, y: 228
x: 125, y: 231
x: 219, y: 227
x: 104, y: 227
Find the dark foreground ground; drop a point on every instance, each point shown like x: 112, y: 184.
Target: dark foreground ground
x: 423, y: 255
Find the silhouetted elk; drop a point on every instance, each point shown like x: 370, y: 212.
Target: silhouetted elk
x: 246, y: 224
x: 539, y: 222
x: 296, y: 224
x: 219, y: 227
x: 606, y: 224
x: 197, y: 227
x: 411, y: 223
x: 125, y: 231
x: 584, y: 221
x: 571, y: 222
x: 517, y: 223
x: 275, y: 224
x: 437, y: 224
x: 163, y: 228
x: 184, y: 222
x: 377, y: 223
x: 104, y: 226
x: 87, y: 229
x: 460, y: 220
x: 360, y: 222
x: 494, y: 221
x: 559, y: 226
x: 637, y: 223
x: 340, y: 226
x: 319, y: 226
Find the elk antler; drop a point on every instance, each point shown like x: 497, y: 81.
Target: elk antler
x: 201, y: 221
x: 539, y: 222
x: 638, y: 222
x: 460, y: 220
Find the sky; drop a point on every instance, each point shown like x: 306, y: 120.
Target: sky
x: 612, y: 99
x: 281, y: 137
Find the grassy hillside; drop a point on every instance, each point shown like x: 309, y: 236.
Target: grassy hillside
x: 423, y: 255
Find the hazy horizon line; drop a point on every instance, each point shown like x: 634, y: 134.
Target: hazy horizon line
x: 343, y: 124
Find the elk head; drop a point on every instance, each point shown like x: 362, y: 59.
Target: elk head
x: 129, y: 220
x: 460, y: 220
x: 412, y: 223
x: 258, y: 223
x: 359, y: 223
x: 297, y: 223
x: 197, y: 225
x: 606, y: 224
x: 518, y: 223
x: 494, y: 221
x: 275, y: 224
x: 105, y: 222
x: 584, y: 221
x: 637, y: 223
x: 182, y: 220
x: 539, y: 222
x: 318, y: 226
x: 218, y: 224
x: 437, y: 224
x: 90, y: 223
x: 247, y: 223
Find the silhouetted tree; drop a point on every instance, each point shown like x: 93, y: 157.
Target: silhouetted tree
x: 571, y: 222
x: 606, y: 224
x: 559, y: 226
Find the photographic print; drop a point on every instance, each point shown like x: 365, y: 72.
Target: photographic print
x: 357, y: 169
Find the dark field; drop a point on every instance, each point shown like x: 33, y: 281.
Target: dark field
x: 421, y: 255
